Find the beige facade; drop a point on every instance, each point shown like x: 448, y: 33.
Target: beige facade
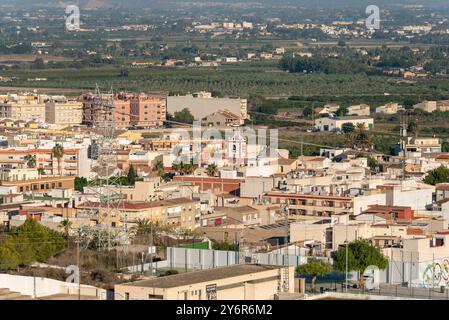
x: 426, y: 106
x: 359, y: 110
x: 238, y: 282
x: 25, y: 109
x: 389, y: 108
x: 17, y: 174
x: 178, y: 213
x: 65, y: 113
x: 142, y: 190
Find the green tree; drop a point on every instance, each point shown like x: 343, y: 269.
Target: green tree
x: 132, y: 175
x: 80, y: 183
x: 159, y: 168
x: 438, y: 175
x: 361, y: 254
x: 30, y: 160
x: 183, y: 116
x: 212, y: 170
x: 362, y: 138
x: 412, y: 128
x: 225, y: 246
x: 66, y: 224
x: 372, y: 163
x: 9, y: 258
x: 315, y: 268
x: 38, y: 63
x: 58, y: 153
x: 41, y: 171
x: 342, y: 111
x: 307, y: 112
x: 347, y: 127
x: 34, y: 242
x: 445, y: 146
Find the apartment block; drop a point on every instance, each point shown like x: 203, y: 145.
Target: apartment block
x: 73, y: 163
x: 325, y: 205
x: 63, y: 112
x: 147, y: 111
x: 178, y: 213
x: 27, y: 107
x: 129, y: 110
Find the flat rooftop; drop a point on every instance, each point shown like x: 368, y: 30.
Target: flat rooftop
x: 189, y: 278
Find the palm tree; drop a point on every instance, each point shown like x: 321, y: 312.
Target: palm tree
x: 66, y: 224
x: 212, y: 170
x: 58, y: 153
x: 350, y: 140
x: 362, y: 138
x: 40, y: 171
x: 30, y: 160
x: 159, y: 168
x: 142, y: 226
x: 177, y: 166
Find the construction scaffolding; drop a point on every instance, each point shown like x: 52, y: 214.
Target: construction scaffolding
x: 107, y: 208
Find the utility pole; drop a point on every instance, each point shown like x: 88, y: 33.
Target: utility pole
x: 403, y: 147
x: 346, y: 259
x: 151, y: 244
x: 79, y: 266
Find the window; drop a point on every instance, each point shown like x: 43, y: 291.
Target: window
x: 126, y: 295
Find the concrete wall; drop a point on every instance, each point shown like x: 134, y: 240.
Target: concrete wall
x: 41, y: 287
x: 308, y: 231
x: 416, y: 199
x: 361, y: 203
x: 194, y: 259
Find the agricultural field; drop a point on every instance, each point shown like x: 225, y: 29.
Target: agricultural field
x: 236, y: 80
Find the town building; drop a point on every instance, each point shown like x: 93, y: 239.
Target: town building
x: 147, y: 111
x: 177, y: 213
x: 141, y: 110
x: 359, y: 110
x: 25, y: 107
x: 389, y: 108
x: 426, y: 106
x: 63, y: 112
x: 237, y: 282
x: 335, y: 124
